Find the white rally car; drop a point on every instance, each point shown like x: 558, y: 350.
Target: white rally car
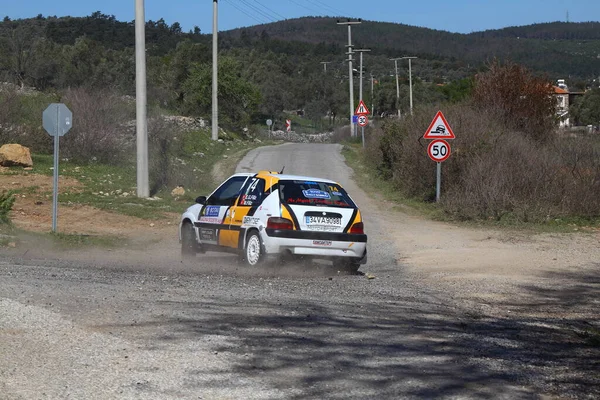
x: 267, y: 214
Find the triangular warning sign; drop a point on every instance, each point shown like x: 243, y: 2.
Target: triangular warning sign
x: 439, y: 128
x: 362, y: 109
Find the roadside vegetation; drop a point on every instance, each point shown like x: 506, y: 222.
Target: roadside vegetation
x: 510, y: 165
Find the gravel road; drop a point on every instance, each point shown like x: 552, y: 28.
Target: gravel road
x: 449, y: 313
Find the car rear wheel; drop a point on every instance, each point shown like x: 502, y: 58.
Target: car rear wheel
x: 188, y: 241
x: 253, y: 254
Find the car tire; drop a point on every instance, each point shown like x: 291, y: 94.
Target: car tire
x: 346, y: 265
x: 188, y: 241
x: 253, y: 252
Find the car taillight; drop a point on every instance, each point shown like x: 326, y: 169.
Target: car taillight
x: 358, y: 228
x: 279, y: 223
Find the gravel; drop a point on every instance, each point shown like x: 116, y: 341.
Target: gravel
x: 144, y: 325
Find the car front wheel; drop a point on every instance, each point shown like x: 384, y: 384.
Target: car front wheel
x: 188, y: 241
x: 253, y: 254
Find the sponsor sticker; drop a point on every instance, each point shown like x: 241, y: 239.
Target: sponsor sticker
x: 316, y: 194
x: 251, y: 221
x: 321, y: 242
x: 208, y: 234
x: 212, y: 211
x: 210, y: 220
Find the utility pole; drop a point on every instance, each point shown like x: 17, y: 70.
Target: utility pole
x: 372, y: 96
x: 361, y: 51
x: 395, y: 60
x: 410, y: 81
x: 325, y: 65
x: 140, y: 101
x: 350, y: 71
x: 215, y: 75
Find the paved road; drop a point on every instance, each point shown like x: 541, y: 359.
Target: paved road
x: 133, y: 326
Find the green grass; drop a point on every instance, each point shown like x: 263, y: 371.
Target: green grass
x: 368, y: 179
x: 113, y: 187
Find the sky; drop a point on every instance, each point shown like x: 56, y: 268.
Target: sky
x: 463, y: 16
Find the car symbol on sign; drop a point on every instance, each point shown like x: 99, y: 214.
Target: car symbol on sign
x: 439, y: 129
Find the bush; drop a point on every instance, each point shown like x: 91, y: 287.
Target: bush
x: 494, y: 172
x: 7, y: 199
x: 99, y: 127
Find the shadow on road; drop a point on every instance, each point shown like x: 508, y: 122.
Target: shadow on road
x: 398, y: 347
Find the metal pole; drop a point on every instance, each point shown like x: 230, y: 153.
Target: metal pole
x: 215, y: 75
x: 350, y: 72
x: 55, y: 177
x: 372, y: 96
x: 351, y: 75
x: 410, y: 85
x: 397, y: 87
x: 438, y: 185
x: 362, y: 128
x: 140, y: 101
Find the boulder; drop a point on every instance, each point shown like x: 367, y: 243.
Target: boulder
x: 15, y: 155
x: 178, y: 191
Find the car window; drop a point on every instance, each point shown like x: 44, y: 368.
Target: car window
x: 227, y: 193
x: 312, y: 193
x: 253, y: 193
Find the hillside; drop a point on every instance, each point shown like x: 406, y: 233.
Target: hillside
x: 265, y: 69
x: 558, y: 49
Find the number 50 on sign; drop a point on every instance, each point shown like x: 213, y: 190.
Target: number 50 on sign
x: 438, y: 150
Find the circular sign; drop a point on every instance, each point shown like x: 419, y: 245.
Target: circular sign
x: 438, y: 150
x: 269, y: 122
x: 363, y: 120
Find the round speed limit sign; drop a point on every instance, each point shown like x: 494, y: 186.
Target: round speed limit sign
x: 438, y: 150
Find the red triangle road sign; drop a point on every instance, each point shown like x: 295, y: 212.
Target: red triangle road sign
x: 439, y: 128
x: 362, y: 109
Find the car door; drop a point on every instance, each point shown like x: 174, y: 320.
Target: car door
x: 213, y: 221
x: 250, y: 199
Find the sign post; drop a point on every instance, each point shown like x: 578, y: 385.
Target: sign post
x: 439, y: 150
x: 57, y: 119
x: 269, y: 125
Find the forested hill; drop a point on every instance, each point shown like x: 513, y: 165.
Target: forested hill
x: 558, y: 48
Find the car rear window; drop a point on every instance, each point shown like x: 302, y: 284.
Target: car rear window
x: 313, y: 193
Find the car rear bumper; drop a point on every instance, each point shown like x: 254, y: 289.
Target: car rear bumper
x: 316, y: 244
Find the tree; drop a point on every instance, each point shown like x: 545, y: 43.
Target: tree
x: 238, y: 98
x: 526, y: 102
x: 586, y: 111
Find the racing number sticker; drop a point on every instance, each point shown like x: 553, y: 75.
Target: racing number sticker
x: 438, y: 150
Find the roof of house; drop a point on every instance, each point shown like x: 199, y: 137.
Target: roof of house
x: 558, y: 90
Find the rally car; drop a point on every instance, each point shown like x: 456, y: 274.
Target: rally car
x: 266, y: 215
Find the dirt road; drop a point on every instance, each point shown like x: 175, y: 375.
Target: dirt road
x: 451, y: 313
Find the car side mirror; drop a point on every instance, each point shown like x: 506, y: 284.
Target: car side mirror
x: 201, y: 200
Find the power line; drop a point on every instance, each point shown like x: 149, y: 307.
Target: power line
x: 244, y: 12
x: 257, y: 10
x: 270, y: 10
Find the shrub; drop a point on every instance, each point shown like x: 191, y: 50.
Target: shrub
x: 525, y: 102
x: 494, y: 172
x: 7, y: 199
x: 99, y: 132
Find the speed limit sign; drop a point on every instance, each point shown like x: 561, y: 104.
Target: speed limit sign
x: 438, y: 150
x: 363, y: 120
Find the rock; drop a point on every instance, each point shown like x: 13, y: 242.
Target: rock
x: 178, y: 191
x: 28, y: 169
x: 12, y: 244
x: 15, y: 155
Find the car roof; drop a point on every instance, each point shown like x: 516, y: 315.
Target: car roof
x: 285, y: 177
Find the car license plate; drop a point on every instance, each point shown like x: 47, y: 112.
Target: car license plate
x: 323, y: 221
